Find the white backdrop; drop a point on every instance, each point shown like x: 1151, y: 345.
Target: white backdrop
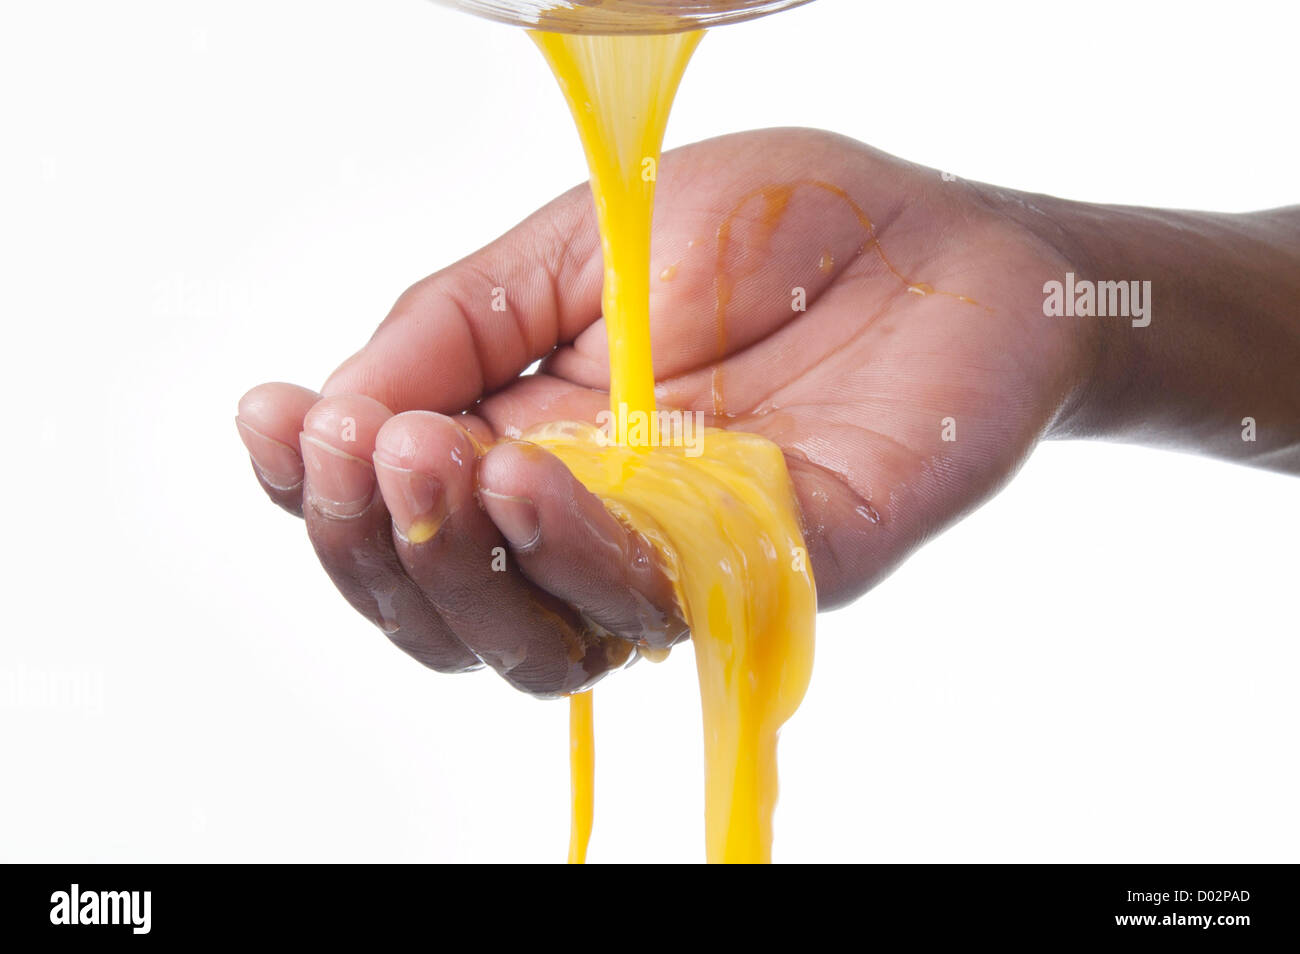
x: 195, y: 197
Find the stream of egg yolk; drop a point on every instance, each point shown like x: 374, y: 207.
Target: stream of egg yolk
x: 724, y: 523
x: 582, y: 774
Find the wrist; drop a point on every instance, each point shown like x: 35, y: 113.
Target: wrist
x: 1208, y: 337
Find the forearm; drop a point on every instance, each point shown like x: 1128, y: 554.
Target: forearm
x: 1217, y: 368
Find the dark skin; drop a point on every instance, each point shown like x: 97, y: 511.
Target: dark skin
x: 857, y: 389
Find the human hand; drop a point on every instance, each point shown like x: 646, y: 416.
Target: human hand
x: 918, y: 378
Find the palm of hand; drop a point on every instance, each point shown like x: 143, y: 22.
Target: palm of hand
x: 917, y: 375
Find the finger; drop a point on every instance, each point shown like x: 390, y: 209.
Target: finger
x: 269, y: 421
x: 351, y: 532
x: 427, y: 469
x: 568, y: 543
x: 538, y: 398
x: 474, y: 326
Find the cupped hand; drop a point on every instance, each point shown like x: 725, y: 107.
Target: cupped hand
x: 882, y: 323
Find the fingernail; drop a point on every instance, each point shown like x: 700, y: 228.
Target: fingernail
x: 338, y: 484
x: 414, y: 499
x: 277, y: 462
x: 515, y: 517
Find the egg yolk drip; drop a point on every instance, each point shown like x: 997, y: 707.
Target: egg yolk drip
x: 721, y: 513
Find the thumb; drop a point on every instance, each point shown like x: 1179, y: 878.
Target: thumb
x: 469, y: 329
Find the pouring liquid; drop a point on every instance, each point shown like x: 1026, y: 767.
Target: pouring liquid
x: 725, y: 523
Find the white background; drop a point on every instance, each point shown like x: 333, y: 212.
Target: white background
x: 1100, y: 665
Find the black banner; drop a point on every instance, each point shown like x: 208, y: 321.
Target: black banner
x: 1222, y: 905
